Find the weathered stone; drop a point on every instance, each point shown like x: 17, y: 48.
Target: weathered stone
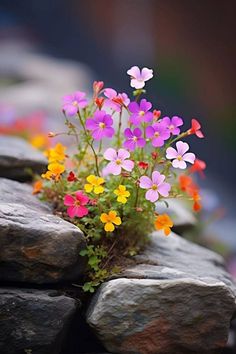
x: 35, y: 245
x: 34, y: 321
x: 177, y: 300
x: 18, y: 159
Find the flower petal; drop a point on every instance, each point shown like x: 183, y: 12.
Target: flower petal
x: 157, y: 178
x: 113, y: 168
x: 189, y: 157
x: 69, y: 200
x: 152, y: 195
x: 123, y: 154
x: 179, y: 164
x: 145, y: 182
x: 146, y: 74
x: 171, y: 153
x: 182, y: 147
x: 128, y: 165
x: 164, y: 189
x: 134, y: 72
x: 109, y: 227
x: 110, y: 154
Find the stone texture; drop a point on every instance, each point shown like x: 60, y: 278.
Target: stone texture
x: 35, y: 245
x: 177, y: 300
x: 34, y: 321
x: 18, y: 158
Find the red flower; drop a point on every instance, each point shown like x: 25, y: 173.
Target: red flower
x: 99, y: 102
x: 71, y: 177
x: 97, y: 87
x: 154, y: 155
x: 156, y: 114
x: 198, y: 166
x: 195, y: 129
x: 143, y: 165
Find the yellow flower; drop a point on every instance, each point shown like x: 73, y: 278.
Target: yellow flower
x: 54, y: 171
x: 56, y: 154
x: 164, y: 222
x: 39, y: 141
x: 110, y: 219
x: 94, y: 184
x: 122, y: 194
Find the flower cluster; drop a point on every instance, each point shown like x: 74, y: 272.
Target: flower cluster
x: 127, y: 158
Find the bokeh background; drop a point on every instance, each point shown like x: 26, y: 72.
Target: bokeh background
x: 51, y: 48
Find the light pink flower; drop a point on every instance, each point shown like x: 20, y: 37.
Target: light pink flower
x: 76, y: 205
x: 179, y: 155
x: 138, y: 77
x: 72, y: 103
x: 118, y: 161
x: 155, y: 186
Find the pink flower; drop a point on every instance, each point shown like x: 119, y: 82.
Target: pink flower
x: 138, y: 77
x: 72, y: 103
x: 76, y: 204
x: 140, y: 112
x: 158, y: 133
x: 118, y: 161
x: 114, y: 100
x: 173, y: 124
x: 133, y: 138
x: 155, y: 186
x: 180, y: 157
x: 100, y: 125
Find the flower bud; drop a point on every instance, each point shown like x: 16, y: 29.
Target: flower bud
x: 154, y: 155
x: 97, y: 87
x: 51, y: 135
x: 156, y: 114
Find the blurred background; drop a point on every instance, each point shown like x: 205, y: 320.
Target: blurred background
x: 52, y: 48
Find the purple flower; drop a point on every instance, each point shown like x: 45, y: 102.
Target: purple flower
x: 180, y: 157
x: 138, y: 77
x: 140, y: 113
x: 118, y: 161
x: 155, y: 186
x: 114, y: 100
x: 158, y: 133
x: 72, y: 103
x: 100, y: 125
x: 173, y: 124
x: 133, y: 138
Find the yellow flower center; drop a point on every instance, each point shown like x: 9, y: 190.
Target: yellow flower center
x: 135, y: 138
x: 171, y: 127
x: 141, y: 113
x: 77, y: 203
x: 75, y: 103
x: 156, y: 134
x: 179, y: 157
x: 118, y: 162
x: 102, y: 125
x: 154, y: 187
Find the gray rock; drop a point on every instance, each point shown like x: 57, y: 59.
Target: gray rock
x: 35, y: 245
x: 34, y: 321
x: 18, y: 159
x: 178, y: 299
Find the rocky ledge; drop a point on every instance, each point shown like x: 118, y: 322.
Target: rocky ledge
x: 35, y: 245
x: 178, y: 299
x: 18, y: 159
x: 34, y: 321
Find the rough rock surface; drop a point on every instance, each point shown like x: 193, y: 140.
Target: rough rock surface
x: 33, y: 321
x: 35, y: 245
x: 177, y: 300
x: 17, y: 158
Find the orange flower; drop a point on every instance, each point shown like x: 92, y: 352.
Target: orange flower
x: 37, y: 187
x: 187, y: 184
x: 196, y: 205
x: 164, y: 222
x: 198, y: 166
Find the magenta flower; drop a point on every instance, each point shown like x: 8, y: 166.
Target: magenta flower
x: 155, y: 186
x: 140, y: 112
x: 114, y: 100
x: 118, y: 161
x: 76, y: 205
x: 133, y: 138
x: 139, y: 77
x: 180, y: 157
x: 100, y: 125
x: 173, y: 124
x: 72, y: 103
x: 158, y: 133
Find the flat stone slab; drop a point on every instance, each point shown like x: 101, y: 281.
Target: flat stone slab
x: 18, y: 158
x: 35, y: 245
x: 178, y: 299
x: 34, y: 321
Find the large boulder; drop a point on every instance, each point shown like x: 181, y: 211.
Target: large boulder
x: 35, y: 245
x: 18, y: 159
x: 34, y: 321
x: 178, y: 299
